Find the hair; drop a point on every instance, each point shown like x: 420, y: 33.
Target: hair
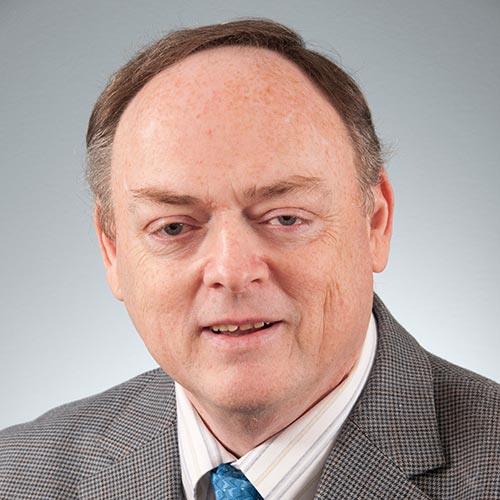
x: 336, y: 85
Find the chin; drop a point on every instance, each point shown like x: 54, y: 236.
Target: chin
x: 244, y: 399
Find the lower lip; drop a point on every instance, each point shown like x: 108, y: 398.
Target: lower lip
x: 243, y: 341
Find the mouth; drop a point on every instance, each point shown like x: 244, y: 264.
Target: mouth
x: 239, y: 330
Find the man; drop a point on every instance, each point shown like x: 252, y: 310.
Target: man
x: 241, y: 208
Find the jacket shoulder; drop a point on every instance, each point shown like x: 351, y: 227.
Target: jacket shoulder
x: 467, y: 408
x: 440, y: 422
x: 46, y: 458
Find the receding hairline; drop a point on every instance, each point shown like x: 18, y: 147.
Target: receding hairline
x: 339, y: 88
x: 289, y: 75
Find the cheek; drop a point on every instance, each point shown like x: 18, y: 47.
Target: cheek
x: 304, y: 272
x: 145, y: 278
x: 336, y: 287
x: 156, y: 300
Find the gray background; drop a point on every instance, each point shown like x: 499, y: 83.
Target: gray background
x: 431, y: 71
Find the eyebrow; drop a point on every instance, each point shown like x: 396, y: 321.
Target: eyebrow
x: 164, y: 197
x: 292, y: 184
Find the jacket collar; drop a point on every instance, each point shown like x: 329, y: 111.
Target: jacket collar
x: 392, y: 433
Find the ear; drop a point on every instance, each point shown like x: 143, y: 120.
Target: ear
x: 381, y: 223
x: 108, y: 251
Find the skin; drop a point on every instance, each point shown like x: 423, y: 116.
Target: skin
x: 237, y: 151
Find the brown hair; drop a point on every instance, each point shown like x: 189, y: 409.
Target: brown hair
x: 338, y: 87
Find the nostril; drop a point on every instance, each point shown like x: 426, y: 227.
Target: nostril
x: 235, y: 277
x: 233, y: 258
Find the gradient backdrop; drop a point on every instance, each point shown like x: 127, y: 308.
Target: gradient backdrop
x: 431, y: 71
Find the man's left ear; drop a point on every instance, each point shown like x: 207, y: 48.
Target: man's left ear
x: 381, y: 223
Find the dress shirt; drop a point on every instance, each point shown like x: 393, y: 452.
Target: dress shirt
x: 289, y: 464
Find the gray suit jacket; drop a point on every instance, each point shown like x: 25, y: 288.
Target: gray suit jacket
x: 421, y: 429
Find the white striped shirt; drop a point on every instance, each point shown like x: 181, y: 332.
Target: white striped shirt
x: 287, y: 466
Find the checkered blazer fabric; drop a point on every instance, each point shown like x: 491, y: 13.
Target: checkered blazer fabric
x: 422, y: 429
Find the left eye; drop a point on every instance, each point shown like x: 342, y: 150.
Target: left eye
x: 285, y: 220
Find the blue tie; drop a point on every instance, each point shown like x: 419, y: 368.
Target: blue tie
x: 231, y: 484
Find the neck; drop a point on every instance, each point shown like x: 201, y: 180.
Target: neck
x: 240, y: 430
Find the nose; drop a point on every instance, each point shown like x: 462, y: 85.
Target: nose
x: 234, y: 258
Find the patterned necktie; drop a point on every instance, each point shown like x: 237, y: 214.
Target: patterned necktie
x: 231, y: 484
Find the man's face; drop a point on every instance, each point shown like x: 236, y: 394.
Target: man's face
x: 242, y: 251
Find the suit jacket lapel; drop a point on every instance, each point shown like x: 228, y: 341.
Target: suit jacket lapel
x: 392, y: 434
x: 356, y: 468
x: 141, y: 444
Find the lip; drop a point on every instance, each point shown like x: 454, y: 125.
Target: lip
x: 245, y: 341
x: 238, y: 322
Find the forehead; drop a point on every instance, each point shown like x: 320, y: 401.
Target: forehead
x: 230, y: 106
x: 231, y: 77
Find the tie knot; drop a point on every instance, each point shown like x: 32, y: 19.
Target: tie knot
x: 230, y: 483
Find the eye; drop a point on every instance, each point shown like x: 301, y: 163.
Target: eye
x: 173, y: 229
x: 285, y: 220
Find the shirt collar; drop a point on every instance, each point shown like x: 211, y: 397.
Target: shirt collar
x: 291, y: 461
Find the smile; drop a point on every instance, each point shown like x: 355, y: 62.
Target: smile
x: 240, y: 329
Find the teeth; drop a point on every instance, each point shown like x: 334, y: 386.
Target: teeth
x: 248, y: 326
x: 233, y: 328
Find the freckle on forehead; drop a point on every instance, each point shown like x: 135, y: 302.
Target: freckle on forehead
x: 228, y: 77
x: 233, y: 92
